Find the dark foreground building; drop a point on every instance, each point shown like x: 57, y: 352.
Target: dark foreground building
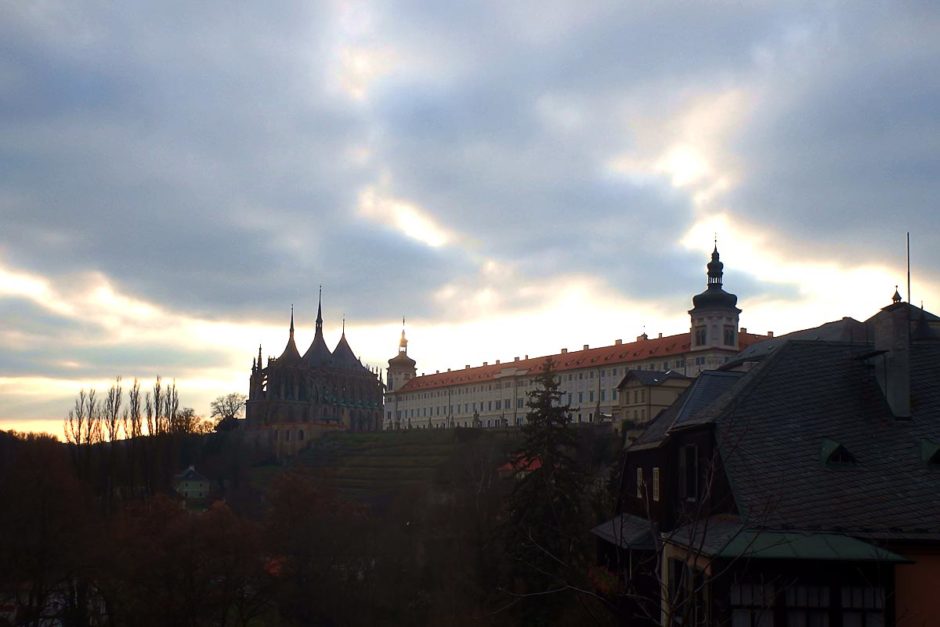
x: 797, y: 486
x: 295, y: 398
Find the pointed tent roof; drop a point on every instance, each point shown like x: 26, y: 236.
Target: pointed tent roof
x: 291, y: 354
x: 318, y: 354
x: 343, y: 356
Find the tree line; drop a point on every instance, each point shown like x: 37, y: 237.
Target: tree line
x: 99, y: 538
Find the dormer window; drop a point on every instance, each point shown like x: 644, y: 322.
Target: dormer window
x: 930, y: 453
x: 835, y: 454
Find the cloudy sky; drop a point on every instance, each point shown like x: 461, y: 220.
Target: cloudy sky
x: 511, y: 177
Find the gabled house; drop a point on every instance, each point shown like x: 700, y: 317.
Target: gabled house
x: 192, y: 485
x: 642, y: 394
x: 799, y: 486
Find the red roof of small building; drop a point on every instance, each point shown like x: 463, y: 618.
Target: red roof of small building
x: 615, y: 354
x: 521, y: 464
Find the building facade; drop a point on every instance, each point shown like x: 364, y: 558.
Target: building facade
x: 494, y: 395
x: 797, y: 485
x: 295, y: 398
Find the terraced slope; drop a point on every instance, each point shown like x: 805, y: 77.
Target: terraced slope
x: 370, y: 465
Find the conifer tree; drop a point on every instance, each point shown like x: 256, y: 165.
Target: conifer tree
x: 546, y: 520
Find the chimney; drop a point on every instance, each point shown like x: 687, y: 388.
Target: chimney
x: 585, y: 347
x: 892, y: 332
x: 640, y: 338
x: 526, y: 357
x: 437, y: 372
x: 743, y: 329
x: 618, y: 342
x: 497, y: 362
x: 515, y: 359
x: 660, y: 336
x: 467, y: 367
x: 486, y: 363
x: 564, y: 351
x: 770, y: 334
x: 448, y: 370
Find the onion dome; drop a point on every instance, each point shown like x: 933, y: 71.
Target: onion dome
x: 290, y: 355
x: 343, y: 357
x: 715, y: 296
x: 318, y: 354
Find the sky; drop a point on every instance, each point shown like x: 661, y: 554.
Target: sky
x: 510, y: 177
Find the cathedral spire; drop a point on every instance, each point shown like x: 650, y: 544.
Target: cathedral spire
x: 320, y: 311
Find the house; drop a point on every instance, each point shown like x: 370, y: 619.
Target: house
x: 191, y: 485
x: 642, y: 394
x: 799, y: 485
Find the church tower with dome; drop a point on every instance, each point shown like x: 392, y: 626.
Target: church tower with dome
x: 714, y: 312
x: 295, y: 398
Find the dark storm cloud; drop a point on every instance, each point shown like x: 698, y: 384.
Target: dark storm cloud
x: 198, y: 155
x: 843, y: 155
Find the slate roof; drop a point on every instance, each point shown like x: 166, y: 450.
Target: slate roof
x: 343, y: 357
x: 651, y: 377
x: 616, y: 354
x: 318, y: 354
x: 770, y: 429
x: 707, y: 388
x: 627, y: 531
x: 844, y: 330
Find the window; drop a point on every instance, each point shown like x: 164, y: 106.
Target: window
x: 639, y: 483
x: 729, y: 335
x: 603, y: 395
x: 656, y: 483
x: 863, y: 606
x: 752, y: 605
x: 688, y: 472
x: 591, y: 396
x: 520, y: 402
x: 580, y: 397
x: 507, y: 403
x: 700, y: 336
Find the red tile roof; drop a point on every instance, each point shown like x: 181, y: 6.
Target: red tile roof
x: 592, y: 357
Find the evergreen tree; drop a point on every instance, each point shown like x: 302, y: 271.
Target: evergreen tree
x: 546, y: 521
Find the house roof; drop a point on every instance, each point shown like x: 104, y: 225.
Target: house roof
x: 707, y: 388
x: 650, y: 377
x: 191, y: 474
x: 844, y: 330
x: 616, y: 354
x: 772, y: 426
x: 627, y: 532
x: 729, y: 539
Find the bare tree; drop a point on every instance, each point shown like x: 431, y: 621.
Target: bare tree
x: 112, y: 410
x: 229, y: 406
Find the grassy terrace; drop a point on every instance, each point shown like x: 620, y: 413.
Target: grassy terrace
x: 367, y: 465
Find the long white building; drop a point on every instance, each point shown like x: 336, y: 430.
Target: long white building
x: 494, y: 394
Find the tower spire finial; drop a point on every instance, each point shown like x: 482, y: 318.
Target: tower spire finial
x: 292, y: 320
x: 344, y: 324
x: 319, y: 327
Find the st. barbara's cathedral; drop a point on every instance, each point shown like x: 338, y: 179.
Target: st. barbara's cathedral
x: 293, y: 399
